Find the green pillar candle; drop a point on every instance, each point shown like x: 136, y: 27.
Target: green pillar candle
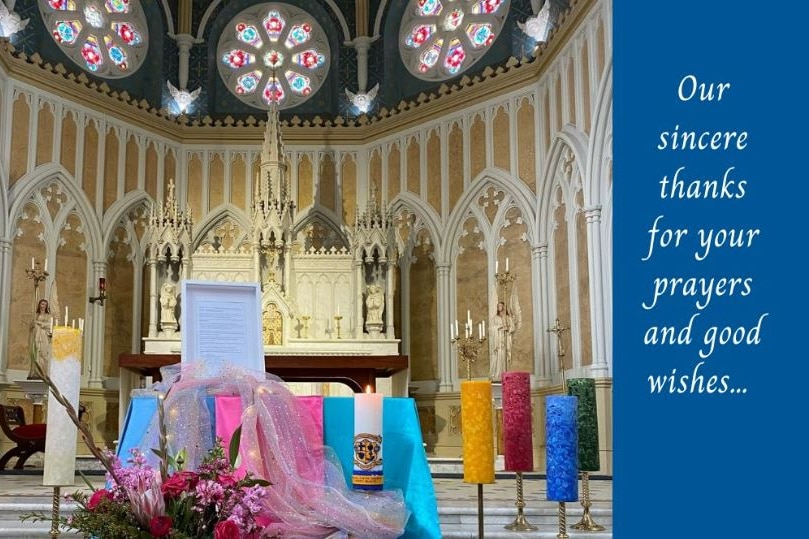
x: 585, y: 390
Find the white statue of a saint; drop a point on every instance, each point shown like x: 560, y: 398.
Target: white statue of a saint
x: 502, y: 332
x: 168, y: 303
x: 40, y: 339
x: 374, y: 304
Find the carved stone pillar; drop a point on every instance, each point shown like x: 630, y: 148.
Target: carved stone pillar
x: 5, y: 303
x: 152, y: 293
x: 542, y: 298
x: 390, y: 283
x: 94, y: 341
x: 599, y: 368
x: 359, y: 287
x: 445, y: 371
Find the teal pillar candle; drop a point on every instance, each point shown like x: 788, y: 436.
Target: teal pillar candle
x: 585, y: 390
x: 562, y: 435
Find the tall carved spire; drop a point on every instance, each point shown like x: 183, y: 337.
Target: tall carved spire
x: 272, y: 176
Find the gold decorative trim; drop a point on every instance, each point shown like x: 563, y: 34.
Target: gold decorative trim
x: 492, y: 82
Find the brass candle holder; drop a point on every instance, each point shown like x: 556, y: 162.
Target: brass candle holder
x: 305, y: 323
x: 520, y: 523
x: 562, y: 522
x: 337, y: 325
x: 55, y: 514
x: 586, y: 523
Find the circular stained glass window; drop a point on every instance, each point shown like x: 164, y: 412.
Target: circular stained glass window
x: 440, y: 39
x: 108, y: 38
x: 273, y: 53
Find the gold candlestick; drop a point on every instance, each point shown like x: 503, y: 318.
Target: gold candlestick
x: 520, y: 523
x: 337, y: 324
x: 305, y: 322
x: 468, y: 349
x: 586, y: 523
x: 562, y: 522
x: 55, y: 514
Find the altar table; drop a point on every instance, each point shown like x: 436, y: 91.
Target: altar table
x: 405, y: 462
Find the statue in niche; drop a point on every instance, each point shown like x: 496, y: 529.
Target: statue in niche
x: 40, y: 339
x: 374, y: 304
x: 168, y: 304
x: 272, y: 324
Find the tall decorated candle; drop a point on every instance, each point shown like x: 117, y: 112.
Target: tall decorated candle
x: 517, y: 430
x: 368, y: 473
x: 60, y: 440
x: 562, y: 451
x: 478, y: 431
x: 585, y: 390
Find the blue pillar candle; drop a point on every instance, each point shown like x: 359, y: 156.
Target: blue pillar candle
x: 562, y: 435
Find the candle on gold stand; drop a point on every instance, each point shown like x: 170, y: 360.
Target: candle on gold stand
x: 337, y: 325
x: 518, y: 437
x: 561, y: 434
x: 476, y: 421
x: 585, y: 390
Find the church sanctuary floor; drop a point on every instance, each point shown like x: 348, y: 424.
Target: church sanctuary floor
x: 457, y: 507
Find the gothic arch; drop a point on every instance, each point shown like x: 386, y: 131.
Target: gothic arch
x: 517, y: 189
x: 425, y: 213
x: 600, y: 147
x: 3, y: 206
x: 119, y: 209
x: 214, y: 217
x: 317, y: 213
x: 569, y: 137
x: 25, y: 186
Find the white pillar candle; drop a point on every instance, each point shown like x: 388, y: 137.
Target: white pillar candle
x: 66, y: 319
x: 61, y: 434
x: 368, y: 441
x: 506, y: 264
x: 456, y: 328
x: 497, y: 266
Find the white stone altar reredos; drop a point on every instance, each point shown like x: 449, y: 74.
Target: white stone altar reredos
x: 316, y: 275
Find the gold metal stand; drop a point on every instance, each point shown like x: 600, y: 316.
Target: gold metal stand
x: 562, y: 522
x: 337, y: 323
x: 305, y: 321
x: 480, y: 510
x: 55, y: 515
x: 586, y: 523
x: 520, y: 524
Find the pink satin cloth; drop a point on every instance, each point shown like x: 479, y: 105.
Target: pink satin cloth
x: 282, y: 442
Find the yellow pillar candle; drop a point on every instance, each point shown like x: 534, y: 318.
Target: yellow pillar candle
x: 61, y: 434
x: 478, y: 431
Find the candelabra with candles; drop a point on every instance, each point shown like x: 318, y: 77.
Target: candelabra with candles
x: 37, y: 273
x: 304, y: 321
x: 337, y: 319
x: 468, y: 349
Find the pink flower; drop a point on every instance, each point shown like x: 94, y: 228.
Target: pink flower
x: 146, y: 499
x: 226, y: 529
x: 97, y: 497
x: 160, y: 526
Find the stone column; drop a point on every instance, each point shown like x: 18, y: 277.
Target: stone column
x: 287, y: 285
x: 390, y: 333
x: 445, y: 372
x: 94, y: 339
x: 542, y: 297
x: 152, y: 293
x: 257, y: 263
x: 599, y: 368
x: 360, y: 286
x: 5, y: 304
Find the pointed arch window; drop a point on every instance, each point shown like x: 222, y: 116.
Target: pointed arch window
x: 273, y: 53
x: 108, y: 38
x: 440, y: 39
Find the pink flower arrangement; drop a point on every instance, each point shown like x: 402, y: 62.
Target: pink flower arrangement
x: 213, y: 502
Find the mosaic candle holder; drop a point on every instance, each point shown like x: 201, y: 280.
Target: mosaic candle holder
x: 478, y: 431
x: 562, y: 450
x: 585, y: 390
x: 517, y: 430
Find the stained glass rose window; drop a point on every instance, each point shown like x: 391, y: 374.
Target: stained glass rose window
x: 108, y: 38
x: 440, y: 39
x: 273, y: 53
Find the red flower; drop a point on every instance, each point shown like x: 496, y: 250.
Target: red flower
x: 227, y: 480
x: 179, y: 483
x: 160, y: 526
x: 226, y: 529
x: 97, y: 497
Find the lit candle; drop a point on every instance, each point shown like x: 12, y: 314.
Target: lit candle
x: 46, y: 263
x: 60, y: 439
x: 517, y: 431
x: 338, y: 309
x: 456, y: 328
x: 506, y: 264
x: 484, y: 327
x: 66, y: 319
x: 368, y: 441
x: 478, y: 431
x: 497, y: 266
x: 51, y: 324
x: 468, y: 317
x: 32, y: 262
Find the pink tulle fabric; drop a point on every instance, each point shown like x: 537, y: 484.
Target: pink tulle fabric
x: 281, y: 442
